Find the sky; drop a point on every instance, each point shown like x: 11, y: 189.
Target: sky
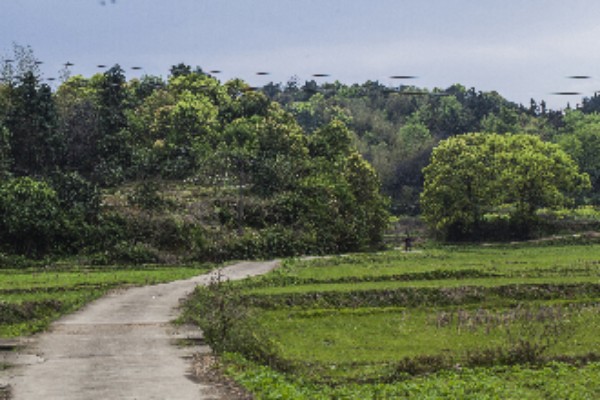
x: 522, y: 49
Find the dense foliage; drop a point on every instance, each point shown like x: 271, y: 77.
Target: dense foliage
x: 475, y: 174
x: 265, y: 186
x: 396, y: 127
x: 283, y: 169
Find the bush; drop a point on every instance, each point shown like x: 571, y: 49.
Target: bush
x: 138, y: 253
x: 228, y: 324
x: 78, y: 197
x: 145, y: 195
x: 30, y: 216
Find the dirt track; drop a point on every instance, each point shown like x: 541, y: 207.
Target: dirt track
x: 119, y: 347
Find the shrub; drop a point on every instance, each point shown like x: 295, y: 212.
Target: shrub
x: 145, y: 195
x: 228, y: 324
x: 138, y: 253
x: 30, y: 216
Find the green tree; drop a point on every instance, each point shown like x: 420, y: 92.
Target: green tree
x: 538, y: 174
x: 79, y: 121
x: 23, y: 62
x: 238, y: 154
x: 459, y: 186
x: 241, y: 101
x: 281, y: 151
x: 113, y: 157
x: 342, y: 192
x: 30, y: 216
x: 370, y: 216
x: 580, y: 138
x: 331, y: 141
x: 470, y: 175
x: 5, y: 153
x: 506, y: 120
x: 176, y: 128
x: 31, y: 120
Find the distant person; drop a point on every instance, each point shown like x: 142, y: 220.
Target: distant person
x: 408, y: 242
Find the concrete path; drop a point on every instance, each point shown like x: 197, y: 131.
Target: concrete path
x: 121, y: 346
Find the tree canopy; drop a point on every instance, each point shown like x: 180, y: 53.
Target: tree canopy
x: 107, y: 132
x: 472, y: 175
x: 286, y: 163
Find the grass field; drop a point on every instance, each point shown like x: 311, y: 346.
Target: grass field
x: 456, y: 322
x: 32, y: 297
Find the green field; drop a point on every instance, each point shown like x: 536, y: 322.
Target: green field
x: 458, y: 322
x: 31, y: 298
x: 554, y: 381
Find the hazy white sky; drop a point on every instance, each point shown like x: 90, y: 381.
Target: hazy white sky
x: 522, y: 49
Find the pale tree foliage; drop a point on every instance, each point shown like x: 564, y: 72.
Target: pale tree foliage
x: 472, y: 174
x: 580, y: 138
x: 13, y: 67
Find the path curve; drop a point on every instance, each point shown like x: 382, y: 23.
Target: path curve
x: 120, y: 347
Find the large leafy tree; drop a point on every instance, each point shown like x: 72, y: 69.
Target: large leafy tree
x: 79, y: 120
x: 469, y: 175
x: 31, y: 119
x: 580, y: 138
x: 113, y: 146
x: 175, y: 126
x: 5, y: 154
x: 341, y: 192
x: 281, y: 151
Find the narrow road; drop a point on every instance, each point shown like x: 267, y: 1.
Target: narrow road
x: 121, y: 346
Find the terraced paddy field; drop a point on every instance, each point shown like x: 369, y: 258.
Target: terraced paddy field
x: 32, y: 297
x: 511, y: 321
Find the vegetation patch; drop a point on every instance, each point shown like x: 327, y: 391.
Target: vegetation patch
x: 349, y: 324
x: 31, y: 298
x: 555, y: 381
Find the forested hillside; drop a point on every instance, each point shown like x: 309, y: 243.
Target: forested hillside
x: 189, y: 167
x: 152, y: 170
x: 396, y: 127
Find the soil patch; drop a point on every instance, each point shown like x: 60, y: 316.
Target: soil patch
x: 207, y: 369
